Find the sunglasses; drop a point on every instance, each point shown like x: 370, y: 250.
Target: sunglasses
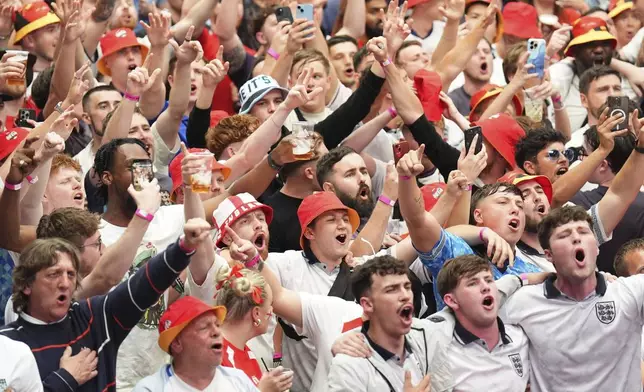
x: 570, y: 154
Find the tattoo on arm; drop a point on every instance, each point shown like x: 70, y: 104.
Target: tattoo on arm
x: 236, y: 57
x: 419, y: 200
x: 103, y: 11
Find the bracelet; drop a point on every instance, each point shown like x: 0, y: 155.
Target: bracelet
x: 130, y: 97
x: 183, y: 247
x: 385, y: 63
x: 144, y: 215
x: 556, y: 99
x: 386, y: 200
x: 272, y: 163
x: 392, y: 111
x: 12, y: 187
x: 253, y: 262
x: 481, y: 234
x: 639, y: 150
x: 524, y: 279
x: 404, y: 178
x: 178, y: 285
x: 271, y: 52
x: 32, y: 180
x: 277, y: 356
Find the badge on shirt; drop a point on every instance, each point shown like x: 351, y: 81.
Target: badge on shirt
x: 605, y: 311
x: 517, y: 363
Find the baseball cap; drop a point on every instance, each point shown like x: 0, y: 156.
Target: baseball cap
x: 175, y: 168
x: 428, y: 86
x: 499, y: 16
x: 517, y: 177
x: 216, y: 116
x: 11, y: 138
x: 255, y: 89
x: 317, y: 204
x: 503, y: 133
x: 520, y: 20
x: 233, y: 208
x: 180, y: 314
x: 113, y: 41
x: 431, y: 193
x: 589, y: 29
x: 32, y: 17
x: 490, y: 91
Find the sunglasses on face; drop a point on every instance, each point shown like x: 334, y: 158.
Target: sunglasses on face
x: 554, y: 155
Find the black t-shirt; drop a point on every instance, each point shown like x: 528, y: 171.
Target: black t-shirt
x: 630, y: 227
x: 285, y: 228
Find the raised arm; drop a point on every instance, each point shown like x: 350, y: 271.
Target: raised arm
x: 355, y: 19
x: 360, y: 138
x: 197, y: 16
x: 521, y: 77
x: 295, y: 35
x: 226, y: 29
x: 97, y: 24
x: 158, y: 32
x: 453, y: 11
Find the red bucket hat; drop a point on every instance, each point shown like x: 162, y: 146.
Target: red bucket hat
x: 317, y: 204
x: 503, y: 133
x: 431, y: 193
x: 490, y: 91
x: 520, y: 20
x: 428, y: 86
x: 517, y: 177
x: 180, y: 314
x: 175, y: 169
x: 11, y: 138
x: 112, y: 42
x: 589, y: 29
x: 233, y: 208
x: 32, y: 17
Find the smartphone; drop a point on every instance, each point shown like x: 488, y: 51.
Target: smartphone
x: 537, y: 56
x: 469, y: 137
x: 400, y: 149
x: 23, y: 116
x: 304, y: 11
x: 141, y: 172
x: 618, y: 105
x: 284, y: 13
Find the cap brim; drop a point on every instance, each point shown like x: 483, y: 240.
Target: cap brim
x: 48, y: 19
x: 518, y: 107
x: 167, y: 337
x: 545, y: 183
x: 354, y: 219
x: 102, y: 68
x: 619, y: 9
x: 590, y: 36
x: 253, y: 99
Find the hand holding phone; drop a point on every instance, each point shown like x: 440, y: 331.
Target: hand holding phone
x: 469, y: 137
x: 618, y: 105
x: 23, y: 116
x: 537, y: 56
x: 284, y: 14
x: 400, y: 149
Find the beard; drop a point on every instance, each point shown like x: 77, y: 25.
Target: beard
x: 373, y: 32
x: 364, y: 208
x: 531, y: 224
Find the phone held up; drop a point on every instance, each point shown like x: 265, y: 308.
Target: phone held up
x: 469, y: 137
x: 400, y: 149
x: 618, y: 105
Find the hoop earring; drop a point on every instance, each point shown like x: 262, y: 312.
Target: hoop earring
x: 257, y: 323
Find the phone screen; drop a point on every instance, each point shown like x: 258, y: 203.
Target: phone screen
x: 141, y: 172
x: 469, y: 137
x: 400, y: 149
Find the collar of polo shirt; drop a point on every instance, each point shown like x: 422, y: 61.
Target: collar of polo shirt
x: 550, y: 291
x: 383, y: 352
x: 468, y: 337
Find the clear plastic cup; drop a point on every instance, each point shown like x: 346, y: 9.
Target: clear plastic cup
x: 21, y: 56
x: 200, y: 182
x: 303, y: 148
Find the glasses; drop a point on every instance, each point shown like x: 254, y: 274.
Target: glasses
x: 570, y: 154
x: 576, y: 154
x: 98, y: 244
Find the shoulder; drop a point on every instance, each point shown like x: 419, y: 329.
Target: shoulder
x: 16, y: 348
x: 346, y: 363
x: 153, y: 382
x: 237, y: 376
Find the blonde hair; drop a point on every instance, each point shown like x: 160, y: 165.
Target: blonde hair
x: 236, y: 287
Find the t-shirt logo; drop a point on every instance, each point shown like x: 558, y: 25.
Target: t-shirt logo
x: 3, y: 384
x: 605, y: 311
x: 517, y: 363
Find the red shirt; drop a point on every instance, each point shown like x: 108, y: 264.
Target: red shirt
x: 243, y: 360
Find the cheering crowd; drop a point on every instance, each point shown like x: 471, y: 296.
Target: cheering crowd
x: 321, y: 195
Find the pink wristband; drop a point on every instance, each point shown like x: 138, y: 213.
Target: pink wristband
x: 130, y: 97
x: 385, y: 63
x: 481, y: 234
x: 404, y: 178
x: 13, y: 187
x: 32, y: 180
x: 524, y: 279
x: 144, y: 215
x: 271, y: 52
x: 253, y: 262
x: 386, y: 200
x: 183, y: 247
x: 392, y: 111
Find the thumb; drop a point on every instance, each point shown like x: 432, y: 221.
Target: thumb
x: 420, y: 151
x: 408, y: 379
x: 184, y: 149
x: 68, y: 352
x: 174, y: 44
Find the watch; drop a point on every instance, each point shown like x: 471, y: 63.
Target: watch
x: 59, y: 108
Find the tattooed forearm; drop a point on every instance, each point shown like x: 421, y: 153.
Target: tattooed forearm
x: 236, y: 57
x: 419, y: 200
x: 103, y: 11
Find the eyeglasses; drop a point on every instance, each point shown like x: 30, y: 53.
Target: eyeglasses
x: 98, y: 244
x: 570, y: 154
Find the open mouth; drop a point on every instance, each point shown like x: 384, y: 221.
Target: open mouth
x: 349, y: 71
x: 598, y: 60
x: 78, y: 196
x: 488, y: 302
x: 193, y: 88
x: 61, y: 298
x: 514, y: 223
x: 580, y: 255
x: 541, y: 209
x: 260, y: 241
x: 342, y: 238
x: 364, y: 192
x: 406, y: 312
x: 484, y: 67
x: 561, y: 171
x: 217, y: 346
x: 131, y: 67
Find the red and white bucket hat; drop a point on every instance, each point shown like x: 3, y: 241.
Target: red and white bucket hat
x: 233, y: 208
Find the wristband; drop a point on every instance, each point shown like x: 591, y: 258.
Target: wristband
x: 178, y: 285
x: 481, y: 234
x: 385, y: 63
x: 144, y: 215
x: 183, y: 247
x: 524, y: 279
x: 130, y: 97
x: 253, y: 262
x: 404, y: 178
x: 271, y: 52
x: 392, y: 111
x: 32, y: 180
x: 12, y: 187
x: 272, y: 163
x: 386, y: 200
x: 639, y: 150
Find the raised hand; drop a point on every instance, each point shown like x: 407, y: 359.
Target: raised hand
x: 195, y: 230
x: 457, y: 183
x: 352, y: 344
x: 605, y: 130
x: 65, y: 123
x: 299, y: 33
x: 390, y: 189
x: 450, y: 112
x: 52, y: 145
x: 240, y: 249
x: 6, y: 22
x: 215, y: 71
x: 78, y: 87
x: 149, y: 197
x: 11, y: 69
x: 189, y: 51
x: 191, y: 164
x: 298, y: 96
x: 23, y: 162
x: 395, y: 29
x: 637, y: 125
x: 471, y: 164
x: 489, y: 18
x: 558, y: 40
x: 75, y: 27
x: 521, y: 77
x: 423, y: 386
x: 283, y: 152
x: 453, y: 10
x: 81, y: 366
x: 158, y: 31
x: 138, y: 80
x: 103, y: 10
x: 378, y: 46
x: 498, y: 250
x: 411, y: 165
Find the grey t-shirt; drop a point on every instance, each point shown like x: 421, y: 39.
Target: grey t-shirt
x: 461, y: 100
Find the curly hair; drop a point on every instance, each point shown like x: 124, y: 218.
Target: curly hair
x: 230, y: 130
x: 236, y: 290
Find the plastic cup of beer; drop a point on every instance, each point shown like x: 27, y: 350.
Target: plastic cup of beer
x: 20, y: 56
x: 303, y: 143
x: 200, y: 182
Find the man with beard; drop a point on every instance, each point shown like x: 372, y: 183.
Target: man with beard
x: 98, y: 102
x: 477, y: 74
x: 592, y: 45
x: 37, y: 31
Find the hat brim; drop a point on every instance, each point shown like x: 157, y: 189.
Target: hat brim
x: 48, y: 19
x: 225, y: 170
x: 253, y: 99
x: 354, y: 220
x: 268, y: 213
x: 102, y: 68
x: 590, y: 36
x: 518, y: 107
x: 167, y: 337
x: 619, y: 9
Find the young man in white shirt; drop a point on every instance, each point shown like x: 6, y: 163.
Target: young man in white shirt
x: 18, y: 370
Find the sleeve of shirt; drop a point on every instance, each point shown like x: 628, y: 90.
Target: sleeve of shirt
x: 315, y: 309
x: 632, y: 48
x: 598, y: 225
x: 60, y: 381
x: 507, y: 285
x: 346, y: 375
x: 162, y: 154
x: 632, y: 301
x: 447, y: 247
x: 206, y: 291
x: 25, y: 376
